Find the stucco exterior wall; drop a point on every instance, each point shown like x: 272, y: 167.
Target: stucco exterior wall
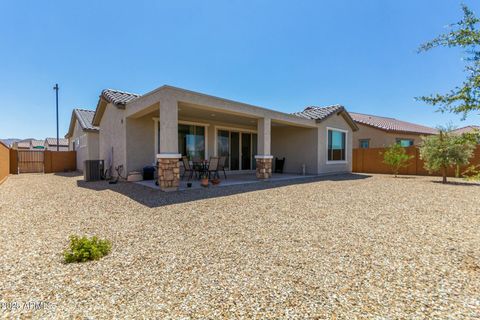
x: 379, y: 138
x: 87, y: 145
x: 334, y: 122
x: 80, y: 148
x: 298, y: 146
x: 140, y: 141
x: 93, y: 145
x: 112, y: 138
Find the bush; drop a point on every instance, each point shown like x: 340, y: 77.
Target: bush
x: 396, y: 158
x: 83, y: 249
x: 447, y: 150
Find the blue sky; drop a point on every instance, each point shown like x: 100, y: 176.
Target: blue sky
x: 283, y: 55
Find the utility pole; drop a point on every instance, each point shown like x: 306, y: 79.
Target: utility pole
x: 56, y: 94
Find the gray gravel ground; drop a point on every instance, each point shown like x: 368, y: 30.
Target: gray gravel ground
x: 335, y: 248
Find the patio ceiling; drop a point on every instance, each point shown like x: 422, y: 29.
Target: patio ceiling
x: 191, y: 112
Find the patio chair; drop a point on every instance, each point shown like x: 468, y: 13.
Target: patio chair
x: 187, y: 168
x: 279, y: 163
x: 213, y: 167
x: 221, y: 165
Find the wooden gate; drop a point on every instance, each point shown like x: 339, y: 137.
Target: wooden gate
x: 30, y: 161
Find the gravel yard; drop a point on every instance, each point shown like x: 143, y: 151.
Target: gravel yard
x: 334, y: 248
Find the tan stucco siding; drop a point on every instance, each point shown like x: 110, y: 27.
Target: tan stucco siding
x: 380, y: 138
x: 93, y: 146
x: 298, y: 146
x: 140, y: 143
x: 112, y: 136
x: 87, y: 147
x: 334, y: 122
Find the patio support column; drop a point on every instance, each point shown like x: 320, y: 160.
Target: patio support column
x: 168, y: 157
x: 264, y: 158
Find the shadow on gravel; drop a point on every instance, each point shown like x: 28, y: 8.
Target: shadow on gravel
x: 456, y: 183
x: 68, y: 174
x: 154, y: 198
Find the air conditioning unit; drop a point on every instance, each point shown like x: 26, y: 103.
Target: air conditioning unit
x: 93, y: 170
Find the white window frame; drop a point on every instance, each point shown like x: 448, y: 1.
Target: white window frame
x: 346, y: 146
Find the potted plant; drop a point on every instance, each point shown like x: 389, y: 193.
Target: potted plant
x: 215, y: 181
x: 204, y: 179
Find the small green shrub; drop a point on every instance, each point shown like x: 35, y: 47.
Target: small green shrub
x: 396, y: 158
x: 83, y: 249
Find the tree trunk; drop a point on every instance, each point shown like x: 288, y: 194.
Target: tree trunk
x: 444, y: 174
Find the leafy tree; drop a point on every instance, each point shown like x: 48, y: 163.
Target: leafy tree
x: 439, y: 152
x: 464, y: 34
x: 396, y: 158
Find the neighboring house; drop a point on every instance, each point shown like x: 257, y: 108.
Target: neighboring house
x: 168, y: 122
x: 29, y: 144
x: 83, y: 136
x: 38, y: 145
x: 51, y: 144
x: 379, y: 132
x: 467, y: 129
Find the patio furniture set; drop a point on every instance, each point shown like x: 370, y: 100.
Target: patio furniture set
x: 204, y: 168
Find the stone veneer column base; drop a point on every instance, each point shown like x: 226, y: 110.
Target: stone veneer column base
x: 264, y: 167
x: 168, y: 172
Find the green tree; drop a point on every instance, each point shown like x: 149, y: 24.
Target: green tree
x: 464, y: 34
x: 396, y: 158
x: 439, y: 152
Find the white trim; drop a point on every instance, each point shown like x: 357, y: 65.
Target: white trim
x: 346, y: 146
x: 168, y: 156
x: 263, y: 157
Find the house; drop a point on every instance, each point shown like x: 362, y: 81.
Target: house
x: 29, y: 144
x: 380, y: 132
x: 167, y: 123
x: 467, y: 129
x: 83, y: 137
x: 51, y: 144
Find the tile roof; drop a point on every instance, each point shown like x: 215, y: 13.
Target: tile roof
x: 118, y: 97
x: 466, y: 129
x: 391, y: 124
x: 319, y: 113
x: 85, y: 118
x: 53, y: 142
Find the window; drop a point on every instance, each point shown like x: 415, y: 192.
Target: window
x: 191, y: 141
x: 336, y: 145
x: 405, y: 142
x: 364, y: 143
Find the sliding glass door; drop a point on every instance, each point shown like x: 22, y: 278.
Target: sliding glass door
x: 239, y: 148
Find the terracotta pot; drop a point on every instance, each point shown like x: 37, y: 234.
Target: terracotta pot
x: 204, y: 182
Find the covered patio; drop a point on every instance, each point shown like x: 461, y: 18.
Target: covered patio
x: 199, y: 126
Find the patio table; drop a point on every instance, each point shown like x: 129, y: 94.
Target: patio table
x: 200, y: 166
